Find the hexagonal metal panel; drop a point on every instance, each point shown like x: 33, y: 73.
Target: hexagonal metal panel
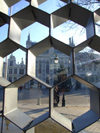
x: 24, y: 18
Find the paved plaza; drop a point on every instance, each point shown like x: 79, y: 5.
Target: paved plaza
x: 77, y: 103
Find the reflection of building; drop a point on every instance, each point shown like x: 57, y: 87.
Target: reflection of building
x: 29, y: 43
x: 15, y: 70
x: 46, y: 69
x: 87, y: 66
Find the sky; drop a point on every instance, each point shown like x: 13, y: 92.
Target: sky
x: 38, y: 31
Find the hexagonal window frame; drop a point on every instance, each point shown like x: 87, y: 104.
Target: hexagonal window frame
x: 43, y: 46
x: 19, y: 21
x: 13, y: 114
x: 86, y: 118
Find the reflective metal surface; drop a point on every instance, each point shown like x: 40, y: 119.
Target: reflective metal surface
x: 17, y: 23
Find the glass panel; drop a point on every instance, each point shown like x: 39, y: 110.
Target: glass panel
x: 87, y: 63
x: 14, y: 65
x: 18, y: 6
x: 33, y: 98
x: 68, y: 30
x: 55, y: 4
x: 3, y: 32
x: 53, y: 66
x: 91, y: 5
x: 71, y: 98
x: 33, y: 34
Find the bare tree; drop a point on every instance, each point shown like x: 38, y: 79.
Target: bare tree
x: 91, y: 5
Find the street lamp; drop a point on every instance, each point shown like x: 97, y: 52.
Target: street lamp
x: 89, y: 74
x: 56, y: 63
x: 56, y: 59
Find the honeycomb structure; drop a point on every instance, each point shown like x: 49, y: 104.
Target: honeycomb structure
x: 18, y: 22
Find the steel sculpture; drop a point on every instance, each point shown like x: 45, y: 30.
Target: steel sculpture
x: 19, y: 21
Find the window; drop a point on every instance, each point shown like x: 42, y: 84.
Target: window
x: 21, y: 71
x: 11, y: 63
x: 15, y: 71
x: 83, y: 67
x: 15, y: 78
x: 47, y: 67
x: 10, y: 71
x: 39, y: 67
x: 31, y: 82
x: 10, y: 79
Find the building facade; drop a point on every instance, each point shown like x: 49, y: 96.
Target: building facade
x: 46, y: 68
x: 87, y: 65
x: 14, y: 70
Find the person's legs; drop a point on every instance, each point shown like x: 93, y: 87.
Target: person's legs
x: 57, y: 99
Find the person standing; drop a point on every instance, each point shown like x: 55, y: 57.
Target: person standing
x: 56, y: 96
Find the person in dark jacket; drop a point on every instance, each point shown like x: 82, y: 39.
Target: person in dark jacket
x: 56, y: 96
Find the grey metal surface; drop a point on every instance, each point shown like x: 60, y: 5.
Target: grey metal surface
x: 66, y: 1
x: 37, y: 121
x: 7, y: 46
x: 98, y: 14
x: 4, y: 19
x: 73, y: 12
x: 49, y: 42
x: 84, y: 120
x: 11, y: 111
x: 57, y: 20
x: 41, y: 16
x: 96, y: 17
x: 11, y: 2
x: 41, y: 47
x: 61, y: 120
x: 31, y: 68
x: 79, y: 14
x: 1, y: 66
x: 4, y: 82
x: 19, y: 118
x: 3, y: 7
x: 95, y: 43
x: 36, y: 3
x: 61, y: 46
x: 23, y: 19
x: 32, y: 15
x: 59, y: 13
x: 95, y: 101
x: 40, y: 81
x: 10, y: 99
x: 14, y: 31
x: 90, y: 28
x: 82, y: 45
x: 22, y: 80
